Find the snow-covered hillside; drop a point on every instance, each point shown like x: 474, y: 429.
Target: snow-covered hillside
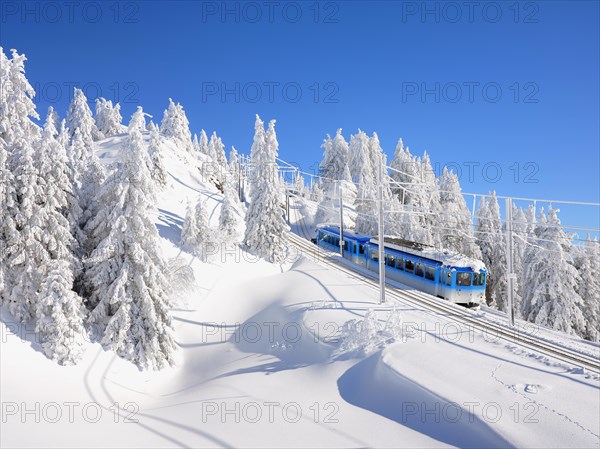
x: 260, y: 364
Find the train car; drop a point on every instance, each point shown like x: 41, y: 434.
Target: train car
x: 445, y: 274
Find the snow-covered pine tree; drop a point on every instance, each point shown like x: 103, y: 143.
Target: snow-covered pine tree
x: 236, y: 173
x: 158, y: 166
x: 58, y: 210
x: 138, y: 120
x: 335, y: 158
x: 176, y: 126
x: 129, y: 290
x: 230, y: 219
x: 316, y: 192
x: 335, y: 172
x: 363, y: 175
x: 454, y: 217
x: 79, y: 118
x: 27, y: 256
x: 426, y: 199
x: 358, y: 158
x: 58, y: 310
x: 108, y: 118
x: 405, y: 173
x: 520, y: 238
x: 189, y: 229
x: 203, y: 143
x: 216, y: 151
x: 60, y: 314
x: 490, y: 236
x: 16, y: 101
x: 266, y: 229
x: 23, y: 257
x: 7, y: 226
x: 550, y: 297
x: 196, y: 234
x: 219, y: 149
x: 587, y: 263
x: 55, y: 120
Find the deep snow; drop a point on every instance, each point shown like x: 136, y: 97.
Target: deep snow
x: 257, y: 367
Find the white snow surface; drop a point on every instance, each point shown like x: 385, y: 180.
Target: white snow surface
x: 256, y: 367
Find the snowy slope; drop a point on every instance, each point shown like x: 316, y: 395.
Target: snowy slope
x: 257, y: 368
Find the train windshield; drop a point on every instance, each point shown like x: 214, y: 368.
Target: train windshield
x: 478, y: 278
x: 463, y: 279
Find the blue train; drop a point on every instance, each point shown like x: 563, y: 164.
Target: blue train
x: 444, y: 274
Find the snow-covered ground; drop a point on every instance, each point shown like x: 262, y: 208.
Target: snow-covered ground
x: 259, y: 365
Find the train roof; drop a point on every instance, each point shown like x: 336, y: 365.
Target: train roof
x: 335, y: 229
x: 447, y: 258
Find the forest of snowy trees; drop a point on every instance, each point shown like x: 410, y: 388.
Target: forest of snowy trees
x: 79, y: 250
x: 558, y: 281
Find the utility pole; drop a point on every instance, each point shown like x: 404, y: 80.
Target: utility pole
x: 341, y: 220
x: 381, y: 234
x: 287, y: 204
x: 510, y: 276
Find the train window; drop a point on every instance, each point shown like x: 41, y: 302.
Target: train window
x: 463, y: 279
x: 449, y: 278
x: 478, y: 278
x: 410, y: 266
x: 430, y: 273
x: 375, y: 255
x: 345, y: 246
x: 361, y: 249
x: 420, y: 270
x: 336, y: 241
x: 390, y: 261
x: 400, y: 263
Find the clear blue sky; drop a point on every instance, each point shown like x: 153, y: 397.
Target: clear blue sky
x: 357, y: 65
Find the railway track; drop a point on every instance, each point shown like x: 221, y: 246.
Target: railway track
x: 461, y: 315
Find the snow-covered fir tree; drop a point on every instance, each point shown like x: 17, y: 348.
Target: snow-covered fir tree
x: 176, y: 126
x: 266, y: 229
x: 126, y: 275
x: 79, y: 118
x: 230, y: 219
x: 7, y: 225
x: 335, y: 174
x: 219, y: 159
x: 108, y: 118
x: 490, y: 236
x: 519, y: 240
x: 334, y: 165
x: 60, y: 313
x: 587, y: 262
x: 316, y: 192
x: 405, y: 174
x: 54, y: 118
x: 138, y: 120
x: 23, y: 256
x: 58, y: 207
x: 203, y: 143
x: 364, y: 176
x: 158, y: 165
x: 196, y: 233
x: 58, y: 309
x: 456, y: 232
x: 426, y: 199
x: 218, y: 149
x: 551, y: 281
